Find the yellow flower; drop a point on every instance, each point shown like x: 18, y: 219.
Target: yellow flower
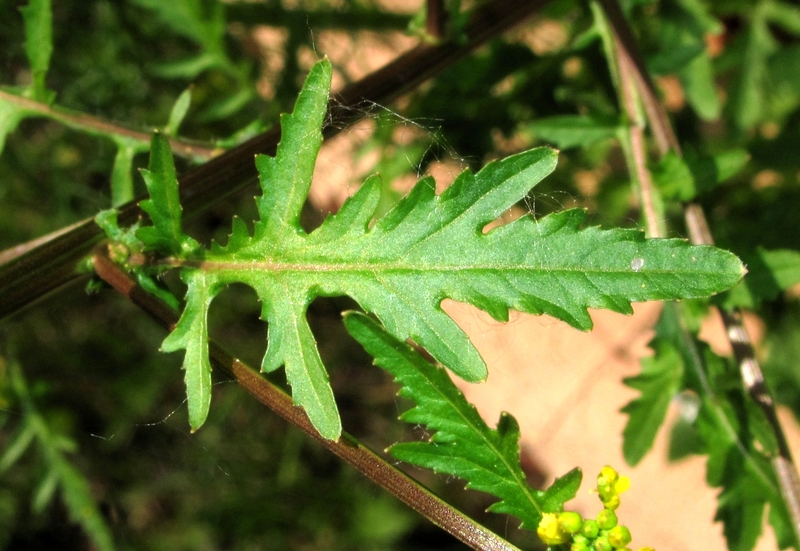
x: 609, y: 485
x: 550, y: 531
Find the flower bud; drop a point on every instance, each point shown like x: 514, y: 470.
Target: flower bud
x: 590, y: 529
x: 570, y: 521
x: 579, y: 546
x: 607, y: 476
x: 612, y: 502
x: 602, y: 544
x: 619, y: 536
x: 606, y: 519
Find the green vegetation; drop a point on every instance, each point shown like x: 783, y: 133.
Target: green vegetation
x: 95, y: 442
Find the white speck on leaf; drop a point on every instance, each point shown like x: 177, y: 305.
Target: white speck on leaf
x: 637, y: 263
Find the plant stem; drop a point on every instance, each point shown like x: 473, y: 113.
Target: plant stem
x: 435, y: 18
x: 53, y: 264
x: 635, y: 74
x: 101, y: 127
x: 347, y: 447
x: 632, y: 137
x: 252, y: 13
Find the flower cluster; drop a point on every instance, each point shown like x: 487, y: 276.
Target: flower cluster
x: 602, y: 533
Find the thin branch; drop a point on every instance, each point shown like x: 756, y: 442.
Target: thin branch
x: 630, y: 56
x: 700, y: 234
x: 18, y: 250
x: 53, y: 264
x: 355, y: 19
x: 101, y: 127
x: 347, y: 448
x: 633, y: 142
x: 435, y: 18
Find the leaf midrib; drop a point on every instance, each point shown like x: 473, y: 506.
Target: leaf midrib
x: 347, y: 267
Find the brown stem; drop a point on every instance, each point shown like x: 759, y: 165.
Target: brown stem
x: 53, y: 264
x: 435, y: 18
x: 630, y: 56
x: 98, y: 126
x: 347, y: 447
x: 700, y: 234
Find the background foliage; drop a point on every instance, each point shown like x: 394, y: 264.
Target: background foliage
x: 112, y: 405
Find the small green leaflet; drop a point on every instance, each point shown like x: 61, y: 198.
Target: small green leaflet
x: 76, y: 492
x: 10, y: 116
x: 463, y: 445
x: 733, y: 431
x: 568, y: 131
x: 426, y: 249
x: 768, y: 274
x: 164, y: 205
x: 685, y: 178
x: 658, y: 382
x: 38, y: 18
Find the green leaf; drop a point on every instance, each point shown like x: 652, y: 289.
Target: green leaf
x: 686, y: 178
x: 10, y: 115
x: 683, y: 437
x: 178, y: 112
x: 749, y: 93
x: 463, y: 445
x: 658, y: 383
x: 189, y: 67
x: 746, y: 481
x: 193, y: 337
x: 562, y: 490
x: 121, y: 177
x: 202, y: 22
x: 720, y: 167
x: 426, y: 249
x: 733, y: 438
x: 75, y: 490
x: 701, y: 19
x: 17, y: 446
x: 44, y: 493
x: 674, y: 178
x: 700, y: 87
x: 784, y: 15
x: 768, y: 274
x: 164, y: 205
x: 81, y: 506
x: 568, y: 131
x: 38, y: 19
x: 675, y: 58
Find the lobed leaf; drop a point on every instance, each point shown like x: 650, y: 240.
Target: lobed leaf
x: 164, y: 205
x: 60, y: 473
x: 426, y: 249
x: 463, y: 445
x: 659, y: 382
x: 734, y: 438
x: 193, y: 337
